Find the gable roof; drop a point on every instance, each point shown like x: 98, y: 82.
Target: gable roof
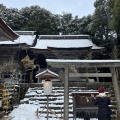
x: 47, y: 74
x: 6, y: 33
x: 25, y: 37
x: 46, y: 42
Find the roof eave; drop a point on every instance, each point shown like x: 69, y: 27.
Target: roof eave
x: 7, y: 30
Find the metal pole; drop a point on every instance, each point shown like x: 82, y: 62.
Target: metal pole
x: 47, y: 107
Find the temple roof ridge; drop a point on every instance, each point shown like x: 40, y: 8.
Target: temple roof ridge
x: 25, y: 32
x: 63, y: 36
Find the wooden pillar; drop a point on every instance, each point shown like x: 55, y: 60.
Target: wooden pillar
x: 116, y: 89
x: 74, y: 106
x: 66, y: 94
x: 97, y: 79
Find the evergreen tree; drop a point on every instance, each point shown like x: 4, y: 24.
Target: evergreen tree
x: 115, y: 23
x: 100, y: 24
x: 39, y: 19
x: 12, y: 17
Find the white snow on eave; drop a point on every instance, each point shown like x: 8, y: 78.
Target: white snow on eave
x: 25, y: 32
x: 40, y: 36
x: 28, y: 39
x: 81, y: 61
x: 64, y: 43
x: 48, y: 72
x: 96, y: 47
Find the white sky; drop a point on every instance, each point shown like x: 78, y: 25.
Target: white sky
x: 76, y: 7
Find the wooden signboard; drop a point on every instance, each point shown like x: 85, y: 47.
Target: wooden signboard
x: 83, y: 106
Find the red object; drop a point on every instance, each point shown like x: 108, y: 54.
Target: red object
x: 101, y: 90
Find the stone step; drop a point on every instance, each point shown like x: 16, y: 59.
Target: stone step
x: 56, y: 100
x: 113, y: 102
x: 114, y: 107
x: 114, y: 117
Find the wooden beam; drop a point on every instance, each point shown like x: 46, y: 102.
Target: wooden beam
x: 113, y: 64
x: 90, y: 75
x: 58, y: 63
x: 66, y: 94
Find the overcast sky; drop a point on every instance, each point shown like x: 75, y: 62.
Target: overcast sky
x: 76, y: 7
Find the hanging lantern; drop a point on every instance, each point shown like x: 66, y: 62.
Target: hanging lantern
x: 47, y: 87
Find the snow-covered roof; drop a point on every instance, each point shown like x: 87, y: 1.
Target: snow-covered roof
x: 46, y: 73
x: 61, y: 41
x: 27, y: 39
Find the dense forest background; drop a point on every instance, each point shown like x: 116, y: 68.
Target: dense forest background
x: 103, y: 26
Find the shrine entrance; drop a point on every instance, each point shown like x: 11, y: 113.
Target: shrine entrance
x: 113, y: 65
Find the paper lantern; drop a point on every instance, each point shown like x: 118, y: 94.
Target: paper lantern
x: 47, y: 87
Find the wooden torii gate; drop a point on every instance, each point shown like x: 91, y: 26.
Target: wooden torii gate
x: 114, y: 65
